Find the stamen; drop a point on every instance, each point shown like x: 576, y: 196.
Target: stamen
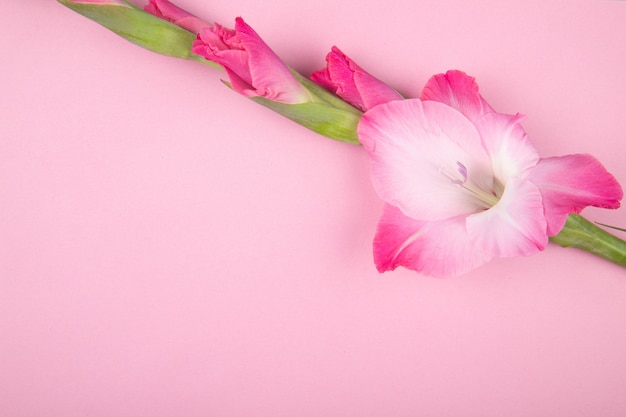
x: 486, y: 198
x: 462, y: 169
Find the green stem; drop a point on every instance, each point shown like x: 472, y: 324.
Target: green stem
x: 580, y: 233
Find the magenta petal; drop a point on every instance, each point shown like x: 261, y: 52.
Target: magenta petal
x: 213, y: 43
x: 572, y: 182
x: 513, y: 227
x: 253, y: 68
x: 353, y: 84
x: 167, y: 10
x: 338, y: 76
x: 270, y: 76
x: 373, y: 91
x: 458, y: 90
x: 239, y: 84
x: 439, y: 248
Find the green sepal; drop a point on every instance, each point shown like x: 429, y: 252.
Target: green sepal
x: 140, y: 28
x: 582, y: 234
x: 329, y: 121
x: 322, y: 95
x: 326, y: 114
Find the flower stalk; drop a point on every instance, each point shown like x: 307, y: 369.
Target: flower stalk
x: 580, y: 233
x: 325, y: 114
x: 418, y: 147
x: 159, y: 29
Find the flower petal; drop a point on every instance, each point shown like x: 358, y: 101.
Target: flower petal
x: 458, y: 90
x: 513, y: 227
x: 253, y: 68
x: 167, y: 10
x: 220, y: 44
x: 418, y: 150
x: 270, y: 76
x: 572, y: 182
x: 511, y: 152
x: 353, y: 84
x: 439, y: 248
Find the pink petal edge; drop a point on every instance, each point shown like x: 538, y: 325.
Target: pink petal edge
x: 439, y: 248
x: 271, y: 78
x: 512, y: 154
x: 352, y: 83
x: 166, y: 10
x: 458, y: 90
x: 253, y: 67
x: 570, y: 183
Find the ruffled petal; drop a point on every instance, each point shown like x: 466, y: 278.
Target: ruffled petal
x: 353, y: 84
x: 513, y: 227
x: 439, y: 248
x: 512, y: 154
x: 572, y: 182
x: 458, y: 90
x: 420, y: 151
x: 270, y: 76
x: 215, y: 44
x: 253, y: 68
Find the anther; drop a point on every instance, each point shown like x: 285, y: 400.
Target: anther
x: 462, y: 169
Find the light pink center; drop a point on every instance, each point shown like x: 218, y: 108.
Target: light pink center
x: 487, y: 198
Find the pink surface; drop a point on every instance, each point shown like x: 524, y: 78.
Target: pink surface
x: 169, y: 248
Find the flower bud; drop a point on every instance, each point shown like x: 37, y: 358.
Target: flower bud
x: 325, y: 114
x: 137, y: 26
x: 167, y: 10
x: 353, y: 84
x: 252, y: 66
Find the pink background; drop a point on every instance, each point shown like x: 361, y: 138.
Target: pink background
x: 169, y: 248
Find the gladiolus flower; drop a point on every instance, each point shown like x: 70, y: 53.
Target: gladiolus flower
x: 353, y: 84
x: 253, y: 68
x: 463, y: 184
x: 167, y: 10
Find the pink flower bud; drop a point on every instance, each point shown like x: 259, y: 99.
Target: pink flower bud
x: 167, y: 10
x: 253, y: 68
x: 350, y: 82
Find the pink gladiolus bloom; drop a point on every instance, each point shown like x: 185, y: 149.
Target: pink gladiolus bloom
x: 350, y: 82
x: 253, y: 68
x: 463, y: 184
x: 166, y: 10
